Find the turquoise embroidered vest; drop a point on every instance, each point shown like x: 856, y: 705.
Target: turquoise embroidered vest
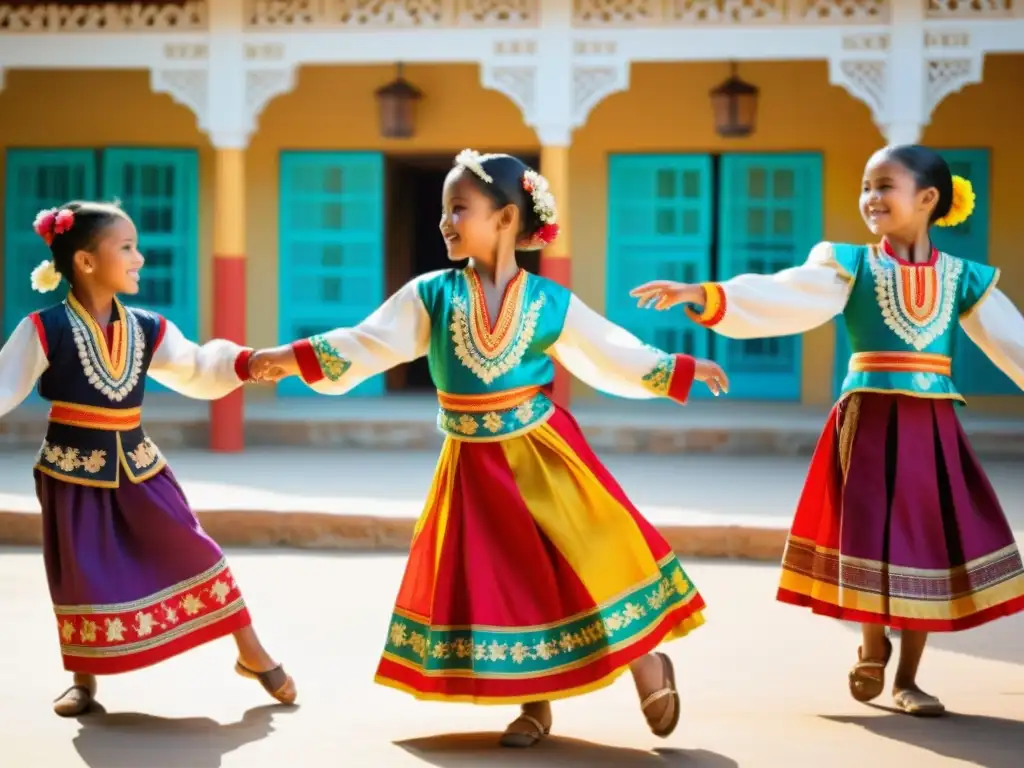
x: 901, y: 319
x: 491, y: 373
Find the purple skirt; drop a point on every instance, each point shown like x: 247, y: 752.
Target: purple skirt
x: 898, y: 523
x: 133, y: 577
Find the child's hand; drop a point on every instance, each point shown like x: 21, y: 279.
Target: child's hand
x: 273, y: 364
x: 711, y: 373
x: 664, y: 294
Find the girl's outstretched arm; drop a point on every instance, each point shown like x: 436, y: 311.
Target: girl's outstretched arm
x: 997, y: 327
x: 795, y: 300
x: 335, y: 362
x: 204, y: 372
x: 611, y: 359
x: 22, y: 361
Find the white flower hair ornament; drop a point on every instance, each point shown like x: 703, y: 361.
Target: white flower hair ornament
x: 544, y: 206
x: 472, y: 161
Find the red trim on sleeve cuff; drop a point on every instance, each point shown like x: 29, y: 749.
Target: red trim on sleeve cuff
x: 242, y: 365
x: 309, y: 364
x: 682, y: 378
x: 160, y: 331
x: 37, y: 321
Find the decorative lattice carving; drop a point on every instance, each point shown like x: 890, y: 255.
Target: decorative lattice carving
x: 518, y: 83
x: 727, y: 11
x: 262, y: 86
x: 591, y: 85
x: 605, y: 13
x: 363, y: 14
x: 946, y: 77
x: 864, y: 80
x: 845, y: 11
x: 976, y: 9
x: 106, y: 17
x: 188, y: 87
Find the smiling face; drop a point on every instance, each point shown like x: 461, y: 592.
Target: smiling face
x: 470, y: 224
x: 890, y: 201
x: 114, y: 261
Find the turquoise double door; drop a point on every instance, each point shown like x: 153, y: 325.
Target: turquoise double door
x: 973, y: 373
x: 700, y: 217
x: 158, y: 188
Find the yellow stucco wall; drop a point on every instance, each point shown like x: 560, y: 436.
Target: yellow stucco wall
x: 665, y: 110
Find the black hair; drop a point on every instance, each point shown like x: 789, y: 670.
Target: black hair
x: 929, y: 169
x: 506, y: 188
x: 91, y: 221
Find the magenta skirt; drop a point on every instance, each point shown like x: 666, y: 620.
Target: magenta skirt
x: 133, y: 577
x: 898, y: 523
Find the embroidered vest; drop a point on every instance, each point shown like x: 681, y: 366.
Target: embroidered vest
x: 492, y: 376
x: 902, y: 319
x: 95, y: 392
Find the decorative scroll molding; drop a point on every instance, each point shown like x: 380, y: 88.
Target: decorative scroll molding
x: 593, y: 84
x: 738, y: 13
x: 110, y: 17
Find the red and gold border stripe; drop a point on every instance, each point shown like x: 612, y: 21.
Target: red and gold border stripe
x: 715, y: 306
x: 901, y: 362
x: 95, y: 417
x: 492, y: 401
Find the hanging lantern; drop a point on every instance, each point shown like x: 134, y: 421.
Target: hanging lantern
x: 397, y: 104
x: 734, y: 106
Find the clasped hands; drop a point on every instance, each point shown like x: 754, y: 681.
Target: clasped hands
x: 273, y: 364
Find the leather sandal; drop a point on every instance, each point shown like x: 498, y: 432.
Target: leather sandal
x: 867, y: 687
x: 917, y: 703
x: 664, y: 725
x: 524, y: 739
x: 75, y: 701
x: 276, y: 682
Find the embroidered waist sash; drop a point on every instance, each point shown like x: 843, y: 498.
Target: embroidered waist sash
x: 493, y: 416
x: 88, y: 445
x: 919, y: 374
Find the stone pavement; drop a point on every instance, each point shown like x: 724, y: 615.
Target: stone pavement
x: 763, y: 686
x: 705, y: 505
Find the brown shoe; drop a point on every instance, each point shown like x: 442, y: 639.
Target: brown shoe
x: 276, y: 682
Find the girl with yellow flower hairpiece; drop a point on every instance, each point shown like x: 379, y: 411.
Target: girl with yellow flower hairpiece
x: 894, y: 489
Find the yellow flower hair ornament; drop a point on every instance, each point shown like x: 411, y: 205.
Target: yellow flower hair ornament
x: 962, y: 206
x: 45, y: 277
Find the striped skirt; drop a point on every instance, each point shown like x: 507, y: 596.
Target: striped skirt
x: 531, y: 576
x: 898, y: 524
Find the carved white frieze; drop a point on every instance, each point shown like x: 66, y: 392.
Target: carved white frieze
x: 969, y: 9
x: 380, y: 14
x: 102, y: 17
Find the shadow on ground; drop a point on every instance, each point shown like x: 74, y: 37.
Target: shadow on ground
x: 990, y: 742
x: 131, y: 740
x: 470, y: 750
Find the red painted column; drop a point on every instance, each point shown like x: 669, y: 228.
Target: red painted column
x: 227, y: 415
x: 555, y: 263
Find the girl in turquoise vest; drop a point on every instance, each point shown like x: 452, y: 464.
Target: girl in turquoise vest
x: 531, y: 575
x: 897, y: 525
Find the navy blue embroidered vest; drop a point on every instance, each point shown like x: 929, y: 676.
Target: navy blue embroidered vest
x: 95, y: 393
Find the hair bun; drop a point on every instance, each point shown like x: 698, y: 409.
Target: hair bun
x: 962, y: 206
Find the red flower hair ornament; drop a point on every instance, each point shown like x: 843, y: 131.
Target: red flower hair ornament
x: 52, y: 222
x: 49, y: 223
x: 544, y: 206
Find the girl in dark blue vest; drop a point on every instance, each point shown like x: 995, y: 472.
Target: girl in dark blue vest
x: 133, y: 577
